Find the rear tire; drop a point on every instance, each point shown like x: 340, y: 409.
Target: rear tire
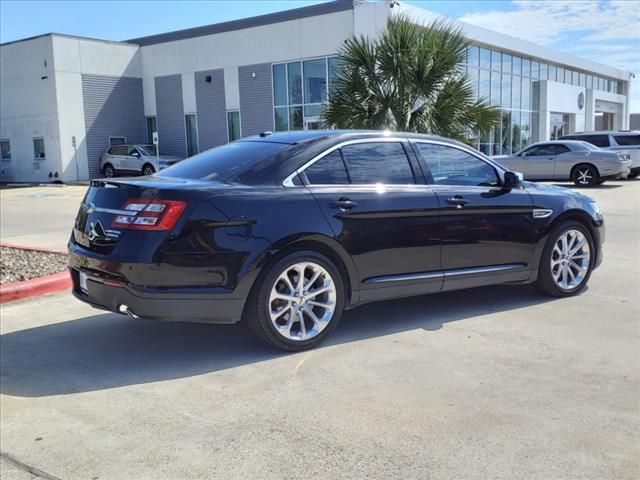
x: 148, y: 169
x: 285, y: 313
x: 569, y: 248
x: 585, y: 175
x: 108, y: 171
x: 633, y: 175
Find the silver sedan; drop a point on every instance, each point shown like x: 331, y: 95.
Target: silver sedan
x: 574, y: 160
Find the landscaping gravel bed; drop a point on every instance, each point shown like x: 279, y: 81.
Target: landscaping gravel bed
x: 17, y: 264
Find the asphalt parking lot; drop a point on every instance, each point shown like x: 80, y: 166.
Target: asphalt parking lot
x: 498, y: 382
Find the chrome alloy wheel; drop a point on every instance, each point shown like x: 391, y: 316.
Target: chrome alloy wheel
x: 302, y: 301
x: 570, y: 259
x: 584, y: 176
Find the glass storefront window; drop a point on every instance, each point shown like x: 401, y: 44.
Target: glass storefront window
x: 485, y: 85
x: 526, y: 68
x: 553, y: 72
x: 315, y: 80
x: 233, y: 125
x: 472, y: 56
x: 517, y: 65
x: 506, y: 133
x: 495, y: 88
x: 281, y: 119
x: 535, y: 70
x: 280, y: 84
x: 506, y: 63
x: 295, y: 118
x: 485, y: 58
x: 496, y: 61
x: 525, y: 129
x: 294, y: 74
x: 334, y: 66
x: 506, y: 91
x: 473, y: 79
x: 516, y: 132
x: 560, y: 77
x: 192, y: 134
x: 582, y: 80
x: 515, y: 92
x: 526, y: 94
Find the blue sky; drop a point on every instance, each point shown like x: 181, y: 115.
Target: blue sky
x: 607, y: 31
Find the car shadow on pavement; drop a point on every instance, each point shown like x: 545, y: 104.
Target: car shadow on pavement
x: 586, y: 188
x: 108, y: 350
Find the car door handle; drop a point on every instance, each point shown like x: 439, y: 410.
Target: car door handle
x: 343, y: 204
x: 457, y: 201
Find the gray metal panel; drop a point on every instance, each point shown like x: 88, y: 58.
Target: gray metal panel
x: 170, y: 114
x: 211, y: 105
x: 113, y: 106
x: 256, y: 98
x: 294, y: 14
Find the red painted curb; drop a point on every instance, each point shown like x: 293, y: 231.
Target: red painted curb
x: 32, y: 249
x: 56, y: 282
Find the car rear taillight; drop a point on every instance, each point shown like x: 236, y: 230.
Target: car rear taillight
x: 149, y: 214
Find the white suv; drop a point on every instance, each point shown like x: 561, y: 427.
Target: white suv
x: 623, y: 141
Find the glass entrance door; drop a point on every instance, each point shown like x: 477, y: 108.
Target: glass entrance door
x: 312, y: 123
x: 559, y: 125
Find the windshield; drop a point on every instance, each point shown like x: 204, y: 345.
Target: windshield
x: 224, y: 163
x: 150, y: 150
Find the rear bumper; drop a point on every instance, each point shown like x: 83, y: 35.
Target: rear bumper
x: 154, y: 303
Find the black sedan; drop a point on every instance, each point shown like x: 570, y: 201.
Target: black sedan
x: 284, y: 231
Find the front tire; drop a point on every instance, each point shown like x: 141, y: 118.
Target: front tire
x: 633, y: 175
x: 298, y: 302
x: 585, y: 176
x: 567, y: 260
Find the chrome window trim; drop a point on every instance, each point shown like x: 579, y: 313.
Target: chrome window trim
x: 288, y: 182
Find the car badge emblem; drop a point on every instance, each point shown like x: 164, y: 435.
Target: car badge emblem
x: 96, y: 231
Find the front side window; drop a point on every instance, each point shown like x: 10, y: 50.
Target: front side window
x: 233, y: 125
x: 452, y: 166
x: 38, y: 149
x: 378, y: 162
x: 119, y: 150
x: 329, y: 170
x: 5, y: 150
x: 132, y: 152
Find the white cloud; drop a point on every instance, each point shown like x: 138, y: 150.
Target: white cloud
x: 607, y: 31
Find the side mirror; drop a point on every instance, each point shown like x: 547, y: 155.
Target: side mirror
x: 512, y: 180
x: 135, y: 154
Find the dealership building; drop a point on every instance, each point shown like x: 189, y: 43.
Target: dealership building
x: 65, y: 99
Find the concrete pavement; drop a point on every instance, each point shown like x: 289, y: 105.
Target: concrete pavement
x: 40, y: 217
x: 499, y: 383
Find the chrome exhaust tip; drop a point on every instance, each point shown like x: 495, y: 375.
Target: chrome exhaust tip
x: 125, y: 309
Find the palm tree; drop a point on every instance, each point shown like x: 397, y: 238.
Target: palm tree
x: 408, y: 79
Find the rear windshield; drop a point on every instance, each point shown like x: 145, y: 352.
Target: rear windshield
x: 627, y: 139
x: 225, y: 163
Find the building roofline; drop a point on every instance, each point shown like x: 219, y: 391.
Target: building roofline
x: 267, y: 19
x: 494, y: 39
x: 65, y: 35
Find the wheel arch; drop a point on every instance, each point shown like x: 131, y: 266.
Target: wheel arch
x: 574, y: 214
x: 149, y: 164
x: 583, y: 164
x: 107, y: 164
x: 322, y: 244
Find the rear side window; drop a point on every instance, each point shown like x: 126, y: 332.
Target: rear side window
x: 119, y: 150
x: 329, y: 170
x: 559, y: 149
x: 627, y: 140
x: 378, y: 162
x: 452, y: 166
x: 225, y: 163
x: 597, y: 140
